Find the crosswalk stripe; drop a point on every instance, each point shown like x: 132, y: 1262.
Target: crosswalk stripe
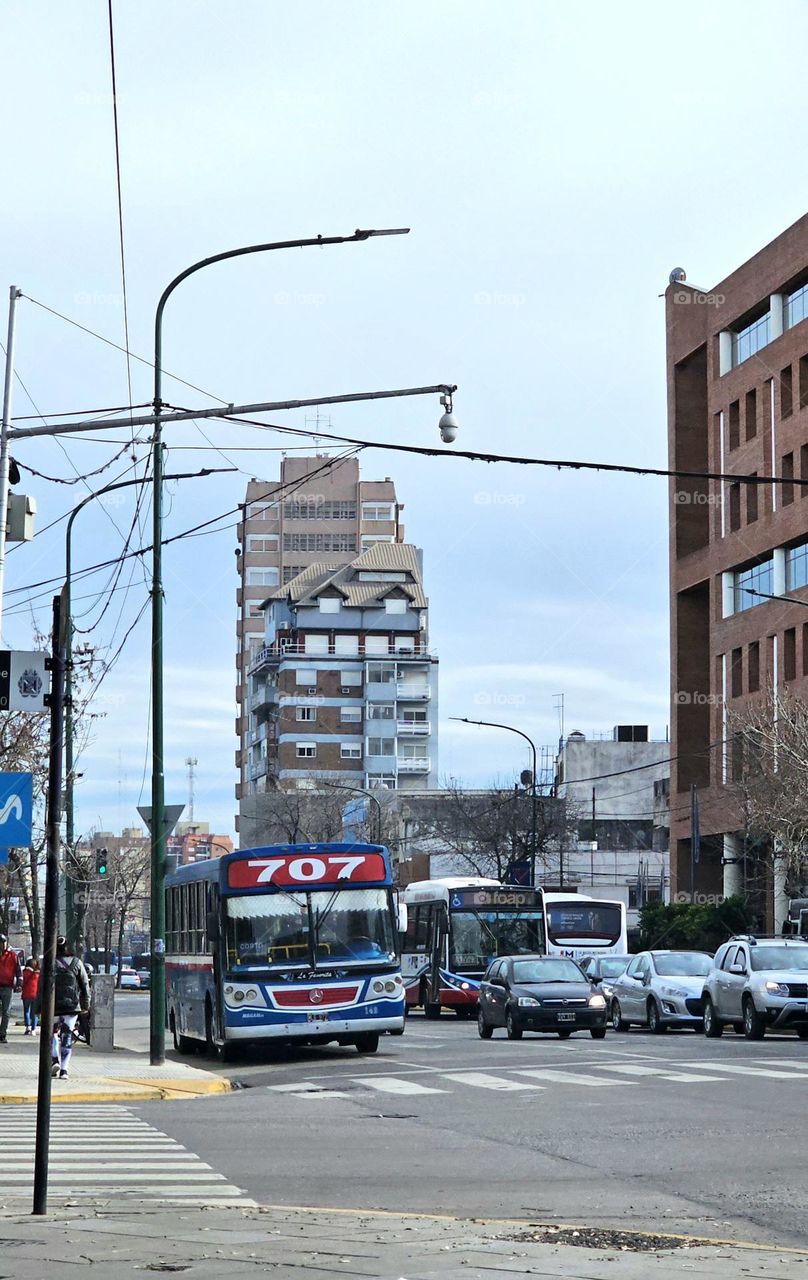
x: 305, y: 1089
x: 482, y: 1080
x: 749, y: 1071
x: 393, y: 1084
x: 567, y: 1077
x: 661, y: 1073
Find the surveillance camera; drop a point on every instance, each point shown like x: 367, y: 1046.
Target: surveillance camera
x: 448, y: 428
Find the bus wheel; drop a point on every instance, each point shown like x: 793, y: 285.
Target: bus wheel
x: 211, y: 1048
x: 368, y: 1042
x: 182, y: 1044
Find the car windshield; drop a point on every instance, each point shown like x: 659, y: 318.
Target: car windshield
x: 549, y: 970
x: 795, y: 958
x: 612, y: 966
x: 341, y: 926
x: 683, y: 964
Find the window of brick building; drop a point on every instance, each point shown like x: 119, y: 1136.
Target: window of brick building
x: 786, y: 393
x: 735, y: 424
x: 787, y: 472
x: 753, y: 666
x: 790, y: 654
x: 751, y: 501
x: 803, y: 367
x: 736, y: 673
x: 804, y: 470
x: 734, y: 506
x: 751, y: 414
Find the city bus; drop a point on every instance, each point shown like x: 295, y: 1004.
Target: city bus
x: 576, y: 925
x: 455, y: 927
x: 285, y: 943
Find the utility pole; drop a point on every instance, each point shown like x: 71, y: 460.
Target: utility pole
x: 191, y: 762
x: 592, y: 852
x: 51, y: 921
x: 5, y: 427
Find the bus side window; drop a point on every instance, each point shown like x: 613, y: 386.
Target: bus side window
x: 409, y: 934
x: 422, y: 929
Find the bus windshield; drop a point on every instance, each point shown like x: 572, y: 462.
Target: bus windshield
x: 590, y: 921
x: 320, y: 929
x: 480, y: 936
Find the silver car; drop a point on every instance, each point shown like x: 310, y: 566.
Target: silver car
x: 660, y: 989
x: 757, y: 983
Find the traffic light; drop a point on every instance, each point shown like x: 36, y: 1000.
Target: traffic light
x: 101, y: 863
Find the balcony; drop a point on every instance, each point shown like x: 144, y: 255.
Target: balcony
x: 414, y: 764
x: 413, y: 728
x: 257, y: 769
x: 413, y: 692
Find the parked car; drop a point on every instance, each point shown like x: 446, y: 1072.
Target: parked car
x: 660, y: 989
x: 130, y: 981
x: 757, y: 983
x: 603, y: 970
x: 145, y: 978
x: 539, y: 993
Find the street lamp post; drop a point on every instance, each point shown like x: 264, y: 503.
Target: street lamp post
x: 361, y: 791
x: 157, y: 1010
x: 490, y: 724
x: 67, y: 613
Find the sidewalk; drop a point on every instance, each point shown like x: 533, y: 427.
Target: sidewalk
x: 313, y: 1244
x: 120, y: 1076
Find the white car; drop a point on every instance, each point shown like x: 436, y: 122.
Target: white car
x: 130, y: 980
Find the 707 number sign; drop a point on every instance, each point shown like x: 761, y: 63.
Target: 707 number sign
x: 297, y: 871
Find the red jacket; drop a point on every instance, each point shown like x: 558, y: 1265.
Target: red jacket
x: 9, y: 968
x: 30, y: 983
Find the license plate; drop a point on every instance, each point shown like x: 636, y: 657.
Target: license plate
x: 566, y: 1017
x: 317, y: 1017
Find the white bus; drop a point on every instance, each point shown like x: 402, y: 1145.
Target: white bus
x: 455, y: 927
x: 577, y: 926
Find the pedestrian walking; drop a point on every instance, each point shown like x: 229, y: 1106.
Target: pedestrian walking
x: 71, y: 995
x: 30, y: 991
x: 10, y: 980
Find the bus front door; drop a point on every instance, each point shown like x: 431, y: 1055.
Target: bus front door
x: 439, y: 932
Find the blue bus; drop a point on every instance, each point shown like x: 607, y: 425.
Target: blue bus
x: 284, y: 942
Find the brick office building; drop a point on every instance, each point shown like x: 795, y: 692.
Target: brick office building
x: 737, y: 367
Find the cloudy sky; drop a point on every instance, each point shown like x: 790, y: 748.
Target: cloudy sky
x: 554, y: 163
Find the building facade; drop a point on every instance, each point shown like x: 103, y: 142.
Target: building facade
x: 737, y: 367
x: 318, y: 511
x: 344, y: 687
x: 616, y: 791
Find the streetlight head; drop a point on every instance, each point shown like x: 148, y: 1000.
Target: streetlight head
x: 385, y: 231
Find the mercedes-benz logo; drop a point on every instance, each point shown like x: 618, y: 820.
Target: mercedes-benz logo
x: 316, y: 995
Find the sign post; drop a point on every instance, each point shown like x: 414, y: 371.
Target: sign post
x: 157, y: 985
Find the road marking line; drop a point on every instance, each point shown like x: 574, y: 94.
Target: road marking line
x: 482, y: 1080
x: 306, y: 1090
x: 661, y: 1073
x: 569, y: 1077
x: 392, y: 1084
x: 750, y: 1071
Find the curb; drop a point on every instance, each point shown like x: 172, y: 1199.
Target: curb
x: 130, y: 1091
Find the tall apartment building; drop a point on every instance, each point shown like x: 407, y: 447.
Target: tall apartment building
x: 319, y: 511
x: 737, y: 403
x: 344, y: 688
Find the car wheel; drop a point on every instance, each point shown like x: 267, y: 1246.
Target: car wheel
x: 713, y: 1026
x: 484, y: 1029
x: 754, y: 1028
x: 514, y: 1032
x: 655, y: 1024
x: 617, y: 1017
x: 565, y: 1034
x: 368, y: 1042
x: 597, y: 1033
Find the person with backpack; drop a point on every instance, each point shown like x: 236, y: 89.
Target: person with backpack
x: 30, y: 991
x: 10, y: 979
x: 71, y: 995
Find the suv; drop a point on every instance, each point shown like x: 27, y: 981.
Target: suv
x: 757, y: 983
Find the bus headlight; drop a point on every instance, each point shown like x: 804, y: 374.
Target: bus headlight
x: 238, y: 995
x: 390, y: 987
x: 252, y: 994
x: 597, y: 1002
x: 378, y: 986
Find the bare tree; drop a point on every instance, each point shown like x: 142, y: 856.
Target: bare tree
x: 300, y: 815
x: 769, y: 764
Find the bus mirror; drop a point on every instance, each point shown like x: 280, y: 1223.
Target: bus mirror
x: 212, y: 926
x: 402, y: 916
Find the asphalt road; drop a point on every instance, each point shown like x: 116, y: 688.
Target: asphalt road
x: 673, y: 1132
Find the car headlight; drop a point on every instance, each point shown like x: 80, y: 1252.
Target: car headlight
x: 597, y: 1002
x: 776, y: 988
x: 676, y: 992
x: 527, y: 1002
x: 606, y: 988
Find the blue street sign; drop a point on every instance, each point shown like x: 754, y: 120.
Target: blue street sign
x: 16, y: 812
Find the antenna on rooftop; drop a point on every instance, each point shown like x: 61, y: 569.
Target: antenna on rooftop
x: 191, y: 762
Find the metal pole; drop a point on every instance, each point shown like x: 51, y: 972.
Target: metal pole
x: 592, y: 850
x: 491, y: 724
x: 5, y: 427
x: 51, y: 921
x: 157, y: 993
